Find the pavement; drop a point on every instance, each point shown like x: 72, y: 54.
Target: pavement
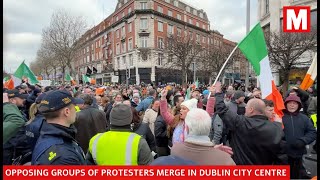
x: 310, y: 161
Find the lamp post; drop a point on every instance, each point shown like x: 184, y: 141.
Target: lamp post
x: 137, y: 68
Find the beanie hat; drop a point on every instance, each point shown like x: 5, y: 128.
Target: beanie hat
x: 121, y: 115
x: 238, y: 94
x: 190, y: 104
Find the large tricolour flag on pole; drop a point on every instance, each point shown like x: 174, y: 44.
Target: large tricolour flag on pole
x: 23, y: 72
x: 253, y: 46
x: 311, y: 75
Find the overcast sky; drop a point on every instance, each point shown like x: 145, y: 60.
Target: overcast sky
x: 25, y: 19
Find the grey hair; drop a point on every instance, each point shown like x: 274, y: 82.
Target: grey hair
x: 199, y: 122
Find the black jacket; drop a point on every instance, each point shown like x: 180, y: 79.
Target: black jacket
x: 160, y: 132
x: 297, y: 126
x: 144, y: 130
x: 255, y: 140
x: 89, y: 122
x: 65, y: 151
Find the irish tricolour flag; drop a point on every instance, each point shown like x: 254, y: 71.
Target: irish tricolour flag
x: 253, y: 46
x: 311, y: 75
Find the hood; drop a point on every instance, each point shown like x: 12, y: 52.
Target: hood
x: 293, y: 98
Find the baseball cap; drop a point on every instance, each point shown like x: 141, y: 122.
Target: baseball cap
x: 15, y: 93
x: 56, y: 100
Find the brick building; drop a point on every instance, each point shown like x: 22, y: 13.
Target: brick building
x: 128, y: 42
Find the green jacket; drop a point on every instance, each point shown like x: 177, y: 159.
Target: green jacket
x: 12, y: 121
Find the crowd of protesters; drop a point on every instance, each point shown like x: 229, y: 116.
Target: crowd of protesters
x: 153, y: 125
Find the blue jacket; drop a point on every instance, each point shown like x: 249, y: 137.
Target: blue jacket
x: 33, y: 129
x: 144, y: 105
x: 57, y: 146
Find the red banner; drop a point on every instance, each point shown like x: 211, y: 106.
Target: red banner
x: 145, y: 172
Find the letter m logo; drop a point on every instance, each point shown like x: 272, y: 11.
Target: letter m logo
x: 296, y: 19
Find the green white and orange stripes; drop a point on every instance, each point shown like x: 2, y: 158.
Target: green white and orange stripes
x: 253, y: 46
x: 311, y: 75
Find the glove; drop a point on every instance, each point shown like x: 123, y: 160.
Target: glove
x: 299, y: 144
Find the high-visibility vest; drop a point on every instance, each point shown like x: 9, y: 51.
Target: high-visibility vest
x: 115, y: 148
x: 314, y: 120
x: 77, y: 108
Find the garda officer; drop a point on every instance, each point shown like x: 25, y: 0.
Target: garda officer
x: 119, y: 146
x: 56, y: 144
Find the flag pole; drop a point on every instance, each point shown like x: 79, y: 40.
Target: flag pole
x: 225, y: 63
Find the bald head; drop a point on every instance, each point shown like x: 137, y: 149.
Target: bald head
x: 255, y: 107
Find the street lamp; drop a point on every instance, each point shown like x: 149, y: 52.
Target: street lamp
x: 137, y: 67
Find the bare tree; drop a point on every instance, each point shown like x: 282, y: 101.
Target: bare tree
x: 180, y: 53
x: 62, y: 35
x: 287, y: 51
x: 213, y: 60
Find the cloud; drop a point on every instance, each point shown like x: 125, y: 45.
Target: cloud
x: 24, y: 21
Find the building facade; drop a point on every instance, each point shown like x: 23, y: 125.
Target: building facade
x: 128, y: 43
x: 270, y: 15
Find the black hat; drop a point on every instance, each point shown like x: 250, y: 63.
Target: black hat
x: 15, y: 93
x: 39, y: 98
x: 56, y: 100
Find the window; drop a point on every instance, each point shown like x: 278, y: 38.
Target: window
x: 118, y: 49
x: 160, y: 9
x: 125, y: 1
x: 118, y: 62
x: 96, y: 44
x: 84, y: 51
x: 129, y: 10
x: 143, y: 23
x: 169, y: 13
x: 190, y: 21
x: 197, y: 24
x: 176, y: 3
x: 99, y: 68
x: 130, y: 27
x: 204, y: 26
x: 123, y: 47
x: 92, y: 57
x: 170, y: 29
x: 170, y: 58
x: 160, y: 59
x: 92, y: 47
x: 118, y: 33
x: 191, y: 35
x: 197, y: 37
x: 211, y: 40
x: 131, y: 59
x: 160, y: 26
x: 179, y: 17
x: 123, y: 31
x: 88, y: 58
x: 201, y: 15
x: 179, y: 31
x: 130, y: 44
x: 143, y: 5
x: 124, y: 60
x: 194, y: 12
x: 188, y: 9
x: 99, y: 43
x: 144, y: 42
x: 203, y: 39
x: 267, y: 6
x: 160, y: 43
x: 88, y: 49
x: 167, y: 1
x: 117, y: 18
x: 84, y: 60
x: 122, y: 14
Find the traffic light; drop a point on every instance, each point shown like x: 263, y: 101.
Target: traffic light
x: 128, y: 73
